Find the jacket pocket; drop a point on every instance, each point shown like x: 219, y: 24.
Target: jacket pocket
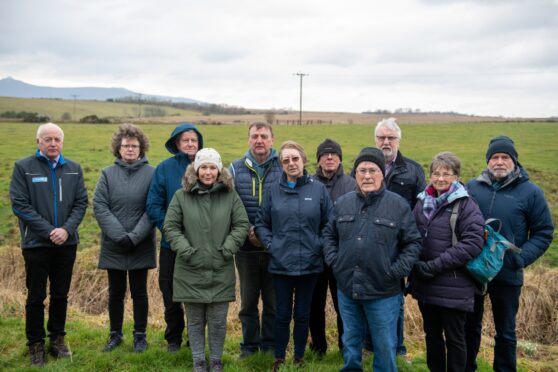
x: 384, y: 231
x: 345, y: 226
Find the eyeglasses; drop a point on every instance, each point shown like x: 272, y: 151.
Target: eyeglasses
x: 389, y: 138
x: 130, y: 147
x: 293, y: 159
x: 371, y: 171
x: 51, y: 139
x: 441, y: 175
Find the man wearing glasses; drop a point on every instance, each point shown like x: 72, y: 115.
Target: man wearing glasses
x: 404, y: 177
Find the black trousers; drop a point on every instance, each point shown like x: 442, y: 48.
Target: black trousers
x: 317, y: 312
x: 56, y: 265
x: 174, y: 312
x: 117, y: 293
x: 446, y: 348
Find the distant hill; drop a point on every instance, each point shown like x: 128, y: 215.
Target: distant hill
x: 10, y: 87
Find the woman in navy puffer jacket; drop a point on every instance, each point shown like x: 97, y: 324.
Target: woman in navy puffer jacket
x: 440, y: 281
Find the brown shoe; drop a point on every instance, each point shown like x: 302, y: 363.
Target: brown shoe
x: 37, y: 354
x: 277, y: 365
x: 57, y: 347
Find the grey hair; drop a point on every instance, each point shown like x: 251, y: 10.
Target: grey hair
x: 447, y: 160
x: 390, y: 123
x: 42, y: 127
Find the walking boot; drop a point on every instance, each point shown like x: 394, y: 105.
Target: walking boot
x: 199, y: 366
x: 215, y: 366
x: 58, y: 348
x: 277, y: 365
x: 37, y: 354
x: 115, y: 339
x: 140, y: 342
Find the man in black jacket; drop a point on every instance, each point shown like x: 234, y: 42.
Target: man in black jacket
x: 404, y: 177
x: 330, y: 173
x: 371, y: 243
x: 48, y: 196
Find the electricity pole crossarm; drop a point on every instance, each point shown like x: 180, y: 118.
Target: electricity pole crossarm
x: 300, y: 107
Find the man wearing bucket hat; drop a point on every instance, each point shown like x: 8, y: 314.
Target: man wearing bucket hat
x: 503, y: 191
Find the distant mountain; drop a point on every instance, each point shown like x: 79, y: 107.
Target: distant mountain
x: 10, y: 87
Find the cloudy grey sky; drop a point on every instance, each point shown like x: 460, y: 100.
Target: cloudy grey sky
x: 482, y: 57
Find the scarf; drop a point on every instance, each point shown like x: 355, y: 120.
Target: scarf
x: 431, y: 202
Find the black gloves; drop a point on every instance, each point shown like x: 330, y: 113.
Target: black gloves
x: 424, y: 270
x: 126, y: 243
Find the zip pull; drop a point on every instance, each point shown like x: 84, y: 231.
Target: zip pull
x: 60, y: 188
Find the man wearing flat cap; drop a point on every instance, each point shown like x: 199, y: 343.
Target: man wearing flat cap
x: 330, y: 173
x: 503, y: 191
x: 371, y: 243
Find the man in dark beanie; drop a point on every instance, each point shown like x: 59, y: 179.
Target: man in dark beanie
x: 371, y: 243
x: 503, y: 191
x: 330, y: 173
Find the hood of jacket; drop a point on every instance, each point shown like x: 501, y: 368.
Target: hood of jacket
x: 184, y: 127
x: 190, y: 179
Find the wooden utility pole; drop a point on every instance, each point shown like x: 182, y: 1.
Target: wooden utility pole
x: 300, y: 106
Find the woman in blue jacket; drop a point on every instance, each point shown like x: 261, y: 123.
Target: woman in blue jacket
x: 440, y: 281
x: 289, y: 224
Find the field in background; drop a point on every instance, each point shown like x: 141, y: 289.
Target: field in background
x: 89, y: 144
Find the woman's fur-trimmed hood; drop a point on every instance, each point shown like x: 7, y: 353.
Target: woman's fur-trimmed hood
x: 190, y: 179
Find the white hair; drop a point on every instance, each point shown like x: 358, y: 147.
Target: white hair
x: 390, y: 123
x: 44, y: 126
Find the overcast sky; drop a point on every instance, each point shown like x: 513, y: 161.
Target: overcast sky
x: 482, y: 57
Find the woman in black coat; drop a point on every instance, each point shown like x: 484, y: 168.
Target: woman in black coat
x: 128, y: 237
x: 440, y: 281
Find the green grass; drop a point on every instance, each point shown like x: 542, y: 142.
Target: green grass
x: 55, y: 108
x: 90, y: 145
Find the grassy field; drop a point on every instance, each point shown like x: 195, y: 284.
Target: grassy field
x: 89, y: 144
x: 56, y: 108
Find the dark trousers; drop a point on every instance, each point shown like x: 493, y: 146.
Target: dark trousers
x: 446, y: 349
x: 117, y: 292
x: 56, y: 265
x: 317, y: 312
x: 174, y: 312
x: 285, y: 287
x: 505, y: 305
x: 256, y: 282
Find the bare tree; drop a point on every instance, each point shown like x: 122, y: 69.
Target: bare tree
x: 269, y: 116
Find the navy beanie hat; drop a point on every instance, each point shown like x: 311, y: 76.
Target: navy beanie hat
x: 374, y: 155
x: 501, y: 144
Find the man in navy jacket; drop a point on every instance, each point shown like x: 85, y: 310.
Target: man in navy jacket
x: 503, y: 191
x: 184, y: 142
x: 48, y: 196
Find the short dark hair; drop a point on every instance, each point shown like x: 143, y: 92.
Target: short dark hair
x: 129, y: 131
x: 448, y: 160
x: 261, y: 124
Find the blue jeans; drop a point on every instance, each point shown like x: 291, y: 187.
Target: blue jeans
x: 302, y: 288
x: 401, y: 349
x: 381, y: 315
x: 505, y: 304
x: 256, y: 282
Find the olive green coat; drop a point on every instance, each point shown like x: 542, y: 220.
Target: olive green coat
x: 205, y: 228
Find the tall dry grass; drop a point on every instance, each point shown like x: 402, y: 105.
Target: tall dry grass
x: 537, y: 319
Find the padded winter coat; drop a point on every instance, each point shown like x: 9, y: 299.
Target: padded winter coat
x: 205, y: 228
x: 526, y: 221
x: 371, y: 243
x: 452, y: 286
x: 119, y: 207
x: 290, y: 224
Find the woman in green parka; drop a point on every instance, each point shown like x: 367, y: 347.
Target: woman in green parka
x: 205, y: 224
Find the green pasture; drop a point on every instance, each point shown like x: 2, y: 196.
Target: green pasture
x: 90, y: 145
x: 55, y: 108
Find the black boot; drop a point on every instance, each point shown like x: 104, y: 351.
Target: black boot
x: 58, y: 348
x: 37, y: 354
x: 115, y: 339
x: 140, y: 342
